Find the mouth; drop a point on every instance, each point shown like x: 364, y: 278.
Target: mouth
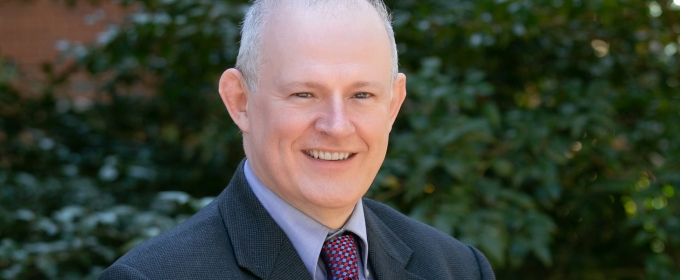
x: 329, y: 156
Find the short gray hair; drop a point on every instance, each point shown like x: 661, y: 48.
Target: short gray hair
x: 249, y: 59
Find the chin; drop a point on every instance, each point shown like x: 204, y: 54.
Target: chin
x: 337, y: 196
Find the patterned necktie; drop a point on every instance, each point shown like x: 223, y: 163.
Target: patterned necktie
x: 340, y: 257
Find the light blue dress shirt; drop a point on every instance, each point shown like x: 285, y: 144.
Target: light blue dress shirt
x: 306, y: 234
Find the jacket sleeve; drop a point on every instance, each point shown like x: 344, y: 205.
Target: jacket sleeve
x: 121, y: 271
x: 485, y: 270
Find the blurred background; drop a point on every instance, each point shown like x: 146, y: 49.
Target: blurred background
x: 544, y: 132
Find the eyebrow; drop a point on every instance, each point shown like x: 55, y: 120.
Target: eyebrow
x: 303, y: 84
x: 315, y: 85
x: 365, y: 84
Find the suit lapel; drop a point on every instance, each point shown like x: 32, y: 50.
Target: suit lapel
x: 387, y: 254
x: 260, y: 245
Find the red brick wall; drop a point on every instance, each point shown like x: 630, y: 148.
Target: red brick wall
x: 29, y: 30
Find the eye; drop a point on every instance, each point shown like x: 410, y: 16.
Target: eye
x: 362, y: 95
x: 303, y: 94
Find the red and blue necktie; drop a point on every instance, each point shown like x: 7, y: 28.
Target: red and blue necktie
x: 340, y: 257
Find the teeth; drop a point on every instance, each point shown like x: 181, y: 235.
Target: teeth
x: 327, y: 155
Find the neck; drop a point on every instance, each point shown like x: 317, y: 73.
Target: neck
x: 331, y: 218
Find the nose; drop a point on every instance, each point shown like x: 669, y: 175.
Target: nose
x: 334, y: 120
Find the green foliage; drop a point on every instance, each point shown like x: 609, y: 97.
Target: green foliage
x: 543, y: 132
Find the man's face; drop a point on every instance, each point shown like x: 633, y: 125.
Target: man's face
x: 319, y: 120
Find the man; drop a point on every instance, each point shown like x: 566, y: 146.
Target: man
x: 315, y: 93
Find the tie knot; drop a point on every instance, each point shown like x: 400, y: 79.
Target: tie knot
x: 340, y: 257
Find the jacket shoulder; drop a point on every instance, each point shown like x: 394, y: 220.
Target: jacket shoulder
x: 433, y: 250
x: 197, y: 248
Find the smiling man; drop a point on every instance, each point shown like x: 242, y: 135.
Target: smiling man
x: 315, y: 92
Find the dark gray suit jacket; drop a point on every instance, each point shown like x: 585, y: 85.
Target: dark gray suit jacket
x: 235, y: 238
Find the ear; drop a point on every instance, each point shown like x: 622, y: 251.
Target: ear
x: 234, y: 94
x: 398, y: 97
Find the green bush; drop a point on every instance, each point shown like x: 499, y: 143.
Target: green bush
x: 543, y: 132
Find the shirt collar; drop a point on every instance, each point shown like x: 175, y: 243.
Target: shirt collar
x: 306, y: 234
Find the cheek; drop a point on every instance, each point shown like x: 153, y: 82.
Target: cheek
x: 278, y: 125
x: 373, y: 126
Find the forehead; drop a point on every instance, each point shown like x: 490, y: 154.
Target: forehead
x: 327, y: 37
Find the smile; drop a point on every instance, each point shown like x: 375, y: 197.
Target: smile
x: 328, y: 155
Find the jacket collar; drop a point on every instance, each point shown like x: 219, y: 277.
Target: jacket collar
x: 260, y: 245
x: 388, y: 254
